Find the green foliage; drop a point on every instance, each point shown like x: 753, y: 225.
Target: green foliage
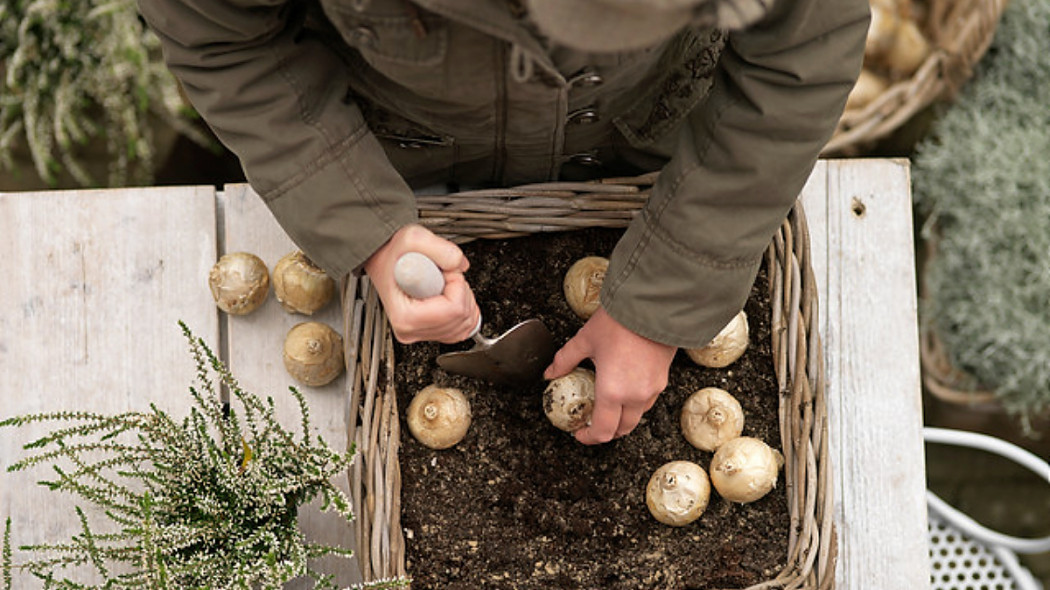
x: 984, y: 179
x: 83, y: 71
x: 210, y: 501
x: 5, y: 557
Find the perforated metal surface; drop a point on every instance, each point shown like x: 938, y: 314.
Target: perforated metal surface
x: 960, y: 563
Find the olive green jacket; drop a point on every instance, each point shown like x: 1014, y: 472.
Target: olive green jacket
x: 337, y: 107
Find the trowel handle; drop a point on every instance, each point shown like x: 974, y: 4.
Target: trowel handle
x: 419, y: 277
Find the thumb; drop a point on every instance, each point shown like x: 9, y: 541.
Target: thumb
x: 445, y: 254
x: 566, y: 359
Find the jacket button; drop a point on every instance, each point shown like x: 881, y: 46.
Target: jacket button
x: 363, y: 36
x: 585, y: 160
x: 583, y: 116
x: 585, y: 78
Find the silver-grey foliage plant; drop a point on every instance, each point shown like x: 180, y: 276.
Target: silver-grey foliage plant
x: 984, y: 179
x: 80, y: 75
x: 208, y: 501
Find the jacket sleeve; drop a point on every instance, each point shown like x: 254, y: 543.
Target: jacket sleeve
x: 276, y: 97
x: 686, y: 264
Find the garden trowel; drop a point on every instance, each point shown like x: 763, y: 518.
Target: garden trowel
x: 519, y: 355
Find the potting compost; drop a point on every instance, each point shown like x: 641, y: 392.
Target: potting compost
x: 520, y: 504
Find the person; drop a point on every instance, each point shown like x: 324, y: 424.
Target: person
x: 339, y: 109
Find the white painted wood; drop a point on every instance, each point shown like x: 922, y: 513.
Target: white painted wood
x: 94, y: 284
x: 254, y: 353
x: 96, y: 280
x: 859, y: 213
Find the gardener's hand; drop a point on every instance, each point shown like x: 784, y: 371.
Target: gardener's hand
x: 630, y: 373
x: 449, y: 317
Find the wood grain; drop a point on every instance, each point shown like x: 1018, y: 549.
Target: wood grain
x: 860, y: 220
x: 96, y: 281
x: 254, y: 353
x: 94, y: 285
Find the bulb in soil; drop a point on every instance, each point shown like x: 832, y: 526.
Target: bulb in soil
x: 438, y: 417
x: 710, y: 418
x: 745, y: 469
x: 678, y: 493
x: 583, y: 284
x: 726, y: 347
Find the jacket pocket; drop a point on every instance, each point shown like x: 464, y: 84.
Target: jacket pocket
x: 417, y: 152
x: 389, y: 33
x: 688, y: 68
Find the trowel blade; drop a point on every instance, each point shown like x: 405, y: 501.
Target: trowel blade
x: 518, y: 356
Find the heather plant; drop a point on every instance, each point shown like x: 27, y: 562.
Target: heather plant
x: 983, y: 180
x: 80, y: 72
x: 208, y: 501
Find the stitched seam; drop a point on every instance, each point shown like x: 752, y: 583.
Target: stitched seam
x: 650, y: 219
x: 437, y: 37
x: 369, y: 196
x: 496, y: 29
x: 687, y: 70
x: 316, y: 164
x: 286, y: 74
x: 333, y: 151
x: 703, y: 259
x: 558, y: 137
x: 701, y: 153
x: 632, y: 260
x: 469, y: 16
x: 667, y: 238
x: 431, y: 60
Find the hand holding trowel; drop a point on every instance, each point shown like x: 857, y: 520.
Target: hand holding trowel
x: 518, y: 355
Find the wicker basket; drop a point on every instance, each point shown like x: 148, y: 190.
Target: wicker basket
x: 375, y: 482
x: 944, y: 380
x: 959, y: 32
x: 954, y: 398
x: 940, y: 377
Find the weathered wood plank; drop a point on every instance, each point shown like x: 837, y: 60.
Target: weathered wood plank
x: 98, y: 279
x: 861, y: 231
x: 94, y: 285
x: 254, y: 353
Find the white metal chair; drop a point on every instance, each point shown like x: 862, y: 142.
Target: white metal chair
x: 966, y: 555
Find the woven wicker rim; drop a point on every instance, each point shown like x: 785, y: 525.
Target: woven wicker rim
x: 940, y: 376
x: 945, y: 381
x: 375, y: 478
x: 960, y: 32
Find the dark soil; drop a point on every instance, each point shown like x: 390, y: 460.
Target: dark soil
x: 520, y: 504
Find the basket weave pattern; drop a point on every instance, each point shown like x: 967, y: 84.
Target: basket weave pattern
x: 943, y: 379
x: 940, y: 376
x: 375, y: 479
x: 959, y: 32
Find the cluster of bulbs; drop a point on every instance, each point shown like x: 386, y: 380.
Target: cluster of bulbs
x: 743, y: 469
x: 894, y: 49
x: 240, y: 284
